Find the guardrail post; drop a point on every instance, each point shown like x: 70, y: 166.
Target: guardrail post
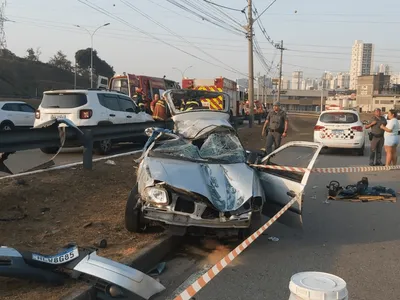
x: 88, y: 149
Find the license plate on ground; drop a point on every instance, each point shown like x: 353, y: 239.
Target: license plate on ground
x: 338, y: 132
x: 58, y: 117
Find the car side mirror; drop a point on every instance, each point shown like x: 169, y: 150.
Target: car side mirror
x: 137, y: 109
x: 129, y: 110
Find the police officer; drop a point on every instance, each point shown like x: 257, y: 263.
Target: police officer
x: 277, y: 123
x: 377, y: 137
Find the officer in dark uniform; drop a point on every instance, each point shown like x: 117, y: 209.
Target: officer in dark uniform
x: 277, y: 123
x: 377, y: 137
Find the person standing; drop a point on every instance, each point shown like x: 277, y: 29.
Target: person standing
x: 391, y: 137
x: 277, y: 123
x: 375, y: 158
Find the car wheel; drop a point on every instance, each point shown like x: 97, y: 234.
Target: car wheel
x: 360, y: 152
x: 6, y: 126
x: 49, y: 150
x: 256, y: 223
x: 133, y: 213
x: 103, y: 147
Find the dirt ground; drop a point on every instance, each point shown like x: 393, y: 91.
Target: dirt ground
x: 76, y: 205
x: 71, y: 205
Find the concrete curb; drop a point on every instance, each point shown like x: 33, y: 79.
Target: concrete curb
x: 144, y: 260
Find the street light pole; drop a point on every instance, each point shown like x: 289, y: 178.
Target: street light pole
x: 184, y: 71
x: 91, y: 48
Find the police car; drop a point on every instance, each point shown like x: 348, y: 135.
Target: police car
x: 340, y: 129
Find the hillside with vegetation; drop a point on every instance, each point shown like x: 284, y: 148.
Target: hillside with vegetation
x: 28, y: 77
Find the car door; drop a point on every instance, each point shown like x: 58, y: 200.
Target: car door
x: 281, y: 186
x: 27, y: 114
x: 131, y: 111
x: 113, y: 111
x: 13, y: 114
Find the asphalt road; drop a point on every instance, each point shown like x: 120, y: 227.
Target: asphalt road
x: 356, y: 241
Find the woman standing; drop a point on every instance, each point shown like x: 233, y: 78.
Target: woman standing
x: 391, y: 136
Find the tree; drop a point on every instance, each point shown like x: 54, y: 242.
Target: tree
x: 100, y: 67
x: 32, y: 54
x: 60, y: 61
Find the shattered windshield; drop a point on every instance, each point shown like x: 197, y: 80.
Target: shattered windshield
x: 220, y: 147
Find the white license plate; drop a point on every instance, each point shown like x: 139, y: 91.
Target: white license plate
x: 338, y: 132
x: 58, y: 117
x: 61, y: 258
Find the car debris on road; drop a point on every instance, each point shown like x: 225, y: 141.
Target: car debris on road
x: 110, y: 277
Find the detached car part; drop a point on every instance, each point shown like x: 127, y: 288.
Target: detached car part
x: 110, y: 277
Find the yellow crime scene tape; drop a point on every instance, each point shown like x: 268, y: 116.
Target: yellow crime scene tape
x: 195, y: 287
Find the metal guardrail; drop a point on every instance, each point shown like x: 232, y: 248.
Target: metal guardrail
x: 36, y: 138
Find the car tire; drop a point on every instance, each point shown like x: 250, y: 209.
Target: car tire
x: 256, y: 223
x: 6, y: 126
x: 50, y: 150
x: 103, y: 147
x: 360, y: 152
x: 133, y: 213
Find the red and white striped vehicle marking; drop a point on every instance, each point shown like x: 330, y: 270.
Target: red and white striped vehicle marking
x: 196, y: 286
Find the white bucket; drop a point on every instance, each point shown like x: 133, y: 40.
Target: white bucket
x: 317, y: 286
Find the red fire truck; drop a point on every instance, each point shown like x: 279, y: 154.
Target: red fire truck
x: 127, y: 83
x: 219, y: 84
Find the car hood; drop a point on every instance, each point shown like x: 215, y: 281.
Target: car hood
x: 192, y: 125
x: 226, y: 186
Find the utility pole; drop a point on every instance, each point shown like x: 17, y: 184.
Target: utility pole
x: 280, y: 47
x: 251, y: 63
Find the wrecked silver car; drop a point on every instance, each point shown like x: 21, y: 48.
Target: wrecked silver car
x: 198, y: 178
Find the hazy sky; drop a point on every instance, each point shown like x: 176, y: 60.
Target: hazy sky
x: 319, y: 34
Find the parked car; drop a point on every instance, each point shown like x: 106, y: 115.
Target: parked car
x: 89, y: 108
x: 16, y: 114
x: 199, y: 179
x: 340, y: 129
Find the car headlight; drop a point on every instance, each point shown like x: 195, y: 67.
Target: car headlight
x: 156, y: 195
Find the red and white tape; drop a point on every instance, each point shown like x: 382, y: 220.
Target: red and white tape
x: 196, y: 286
x: 330, y: 170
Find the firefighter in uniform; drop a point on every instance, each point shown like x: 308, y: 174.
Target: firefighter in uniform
x: 192, y: 104
x: 160, y: 110
x: 138, y: 98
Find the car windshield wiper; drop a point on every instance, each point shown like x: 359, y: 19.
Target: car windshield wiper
x: 53, y: 106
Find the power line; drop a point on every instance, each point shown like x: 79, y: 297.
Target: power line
x: 224, y: 14
x: 131, y: 6
x: 206, y: 15
x: 226, y: 7
x: 103, y: 11
x: 265, y: 10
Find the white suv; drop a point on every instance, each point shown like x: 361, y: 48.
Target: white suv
x: 340, y: 129
x: 14, y: 114
x: 89, y: 108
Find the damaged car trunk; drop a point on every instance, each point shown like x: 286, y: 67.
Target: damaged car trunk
x: 197, y: 178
